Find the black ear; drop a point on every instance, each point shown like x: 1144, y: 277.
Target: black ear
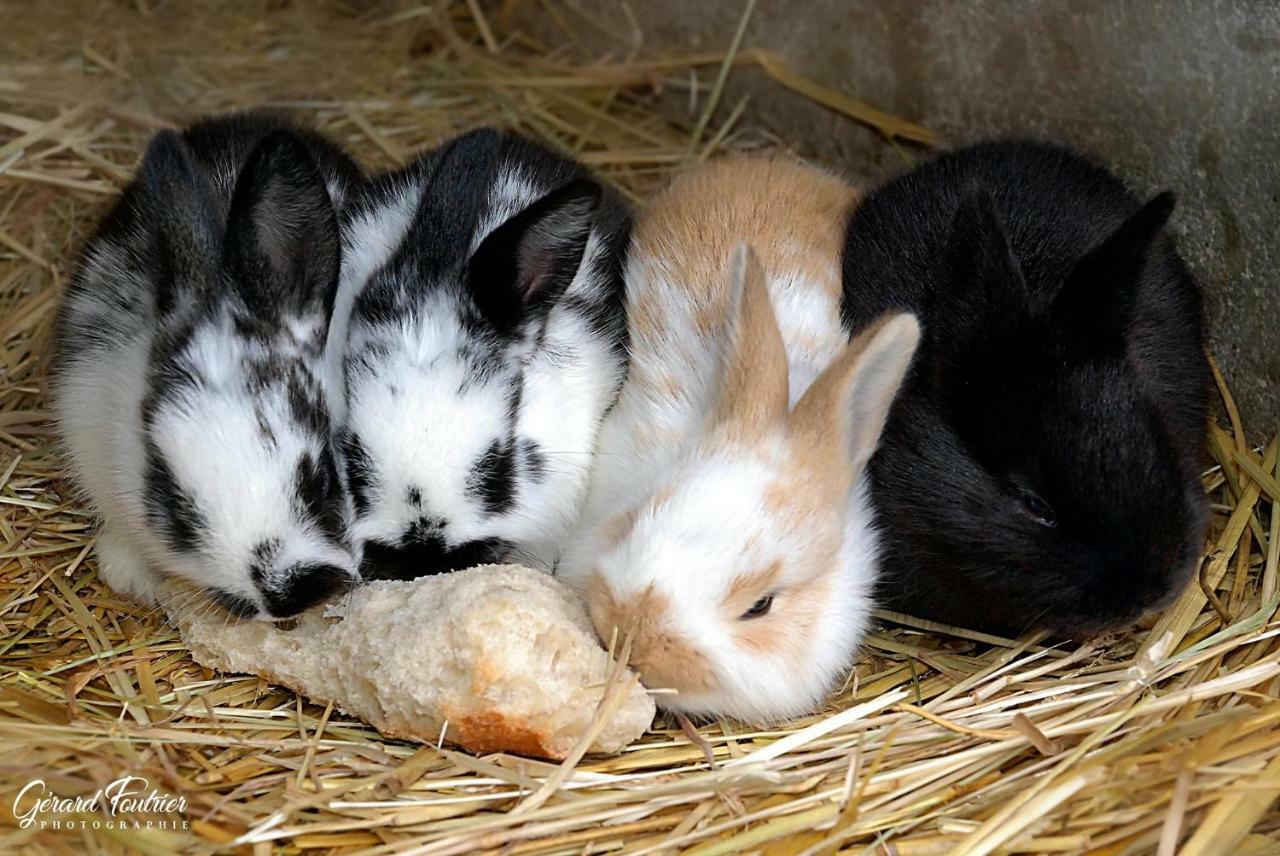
x: 180, y: 207
x: 283, y: 248
x: 525, y: 264
x: 1095, y: 304
x: 986, y: 283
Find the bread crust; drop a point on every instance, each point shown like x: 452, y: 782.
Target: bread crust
x: 498, y: 658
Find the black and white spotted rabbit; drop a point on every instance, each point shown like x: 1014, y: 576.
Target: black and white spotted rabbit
x: 484, y: 332
x: 188, y: 382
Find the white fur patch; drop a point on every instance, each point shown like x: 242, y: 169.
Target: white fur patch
x: 422, y: 423
x: 809, y: 320
x: 367, y: 243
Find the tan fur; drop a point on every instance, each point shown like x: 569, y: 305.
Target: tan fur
x: 662, y: 497
x: 793, y: 217
x: 802, y: 497
x: 798, y: 226
x: 829, y: 438
x: 709, y: 319
x: 652, y: 436
x: 753, y: 393
x: 737, y: 263
x: 779, y: 498
x: 615, y: 529
x: 663, y: 659
x: 747, y: 588
x: 645, y: 316
x: 819, y: 439
x: 784, y: 633
x: 670, y: 385
x: 835, y: 426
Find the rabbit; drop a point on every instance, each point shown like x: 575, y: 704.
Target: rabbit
x: 1040, y: 469
x: 485, y: 339
x: 726, y: 528
x: 187, y: 382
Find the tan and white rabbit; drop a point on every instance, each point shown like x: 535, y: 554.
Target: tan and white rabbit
x: 727, y: 527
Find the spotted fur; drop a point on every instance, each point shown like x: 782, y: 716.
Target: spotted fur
x: 484, y: 340
x: 189, y: 381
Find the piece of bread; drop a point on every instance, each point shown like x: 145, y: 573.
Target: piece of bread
x: 505, y: 655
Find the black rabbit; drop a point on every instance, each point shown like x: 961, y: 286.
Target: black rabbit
x: 1040, y: 468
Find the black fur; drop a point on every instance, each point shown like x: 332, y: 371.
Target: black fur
x: 186, y: 230
x: 534, y: 461
x: 359, y: 472
x: 523, y: 266
x: 171, y: 222
x: 282, y: 249
x: 238, y: 605
x: 305, y: 406
x: 1040, y: 466
x: 424, y: 551
x: 519, y: 270
x: 305, y: 586
x: 493, y: 478
x: 320, y: 494
x: 169, y: 507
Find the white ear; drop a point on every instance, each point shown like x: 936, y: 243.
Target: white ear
x: 838, y: 422
x: 754, y: 386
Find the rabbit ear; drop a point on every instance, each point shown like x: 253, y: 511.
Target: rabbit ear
x: 754, y: 384
x: 1095, y: 304
x: 987, y: 284
x: 282, y: 246
x: 181, y: 204
x: 841, y: 416
x: 524, y: 265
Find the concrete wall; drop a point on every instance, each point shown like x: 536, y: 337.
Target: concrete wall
x: 1183, y: 94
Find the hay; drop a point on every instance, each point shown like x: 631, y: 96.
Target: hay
x: 1159, y: 740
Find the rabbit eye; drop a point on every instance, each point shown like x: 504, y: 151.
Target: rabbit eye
x: 759, y: 608
x: 1037, y: 509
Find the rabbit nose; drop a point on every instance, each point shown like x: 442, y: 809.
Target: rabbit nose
x: 663, y: 658
x: 413, y: 558
x: 304, y: 586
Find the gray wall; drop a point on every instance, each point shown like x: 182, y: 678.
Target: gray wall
x: 1183, y: 94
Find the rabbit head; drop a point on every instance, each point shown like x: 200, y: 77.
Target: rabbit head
x: 744, y: 577
x: 1068, y: 501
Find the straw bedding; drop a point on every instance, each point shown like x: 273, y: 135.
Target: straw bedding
x: 1164, y: 739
